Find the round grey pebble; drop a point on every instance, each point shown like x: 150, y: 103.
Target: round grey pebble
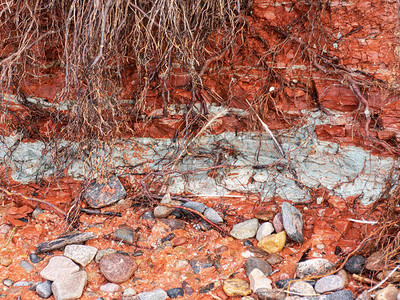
x: 34, y: 258
x: 8, y: 282
x: 355, y: 264
x: 175, y: 292
x: 213, y: 216
x: 329, y: 284
x: 44, y: 289
x: 148, y: 215
x: 26, y: 265
x: 339, y: 295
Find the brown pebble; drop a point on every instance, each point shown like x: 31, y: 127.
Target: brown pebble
x: 178, y: 241
x: 220, y: 250
x: 274, y: 259
x: 265, y: 215
x: 117, y: 267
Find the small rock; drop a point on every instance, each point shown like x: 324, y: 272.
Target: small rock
x: 157, y: 294
x: 265, y: 294
x: 339, y: 295
x: 248, y: 243
x: 125, y: 234
x: 302, y: 288
x: 388, y: 293
x: 5, y: 260
x: 197, y: 206
x: 177, y: 213
x: 148, y: 215
x: 342, y: 273
x: 26, y: 265
x: 236, y: 287
x: 213, y: 216
x: 315, y: 266
x: 103, y: 192
x: 101, y: 253
x: 34, y: 258
x: 292, y: 222
x: 259, y: 280
x: 164, y: 211
x: 273, y: 243
x: 36, y: 212
x: 199, y: 263
x: 43, y: 289
x: 367, y: 296
x: 285, y: 283
x: 187, y: 288
x: 278, y: 223
x: 69, y: 286
x: 58, y: 266
x: 137, y: 253
x: 258, y: 263
x: 168, y: 237
x: 264, y: 230
x: 206, y: 288
x: 265, y: 215
x: 80, y: 254
x: 23, y: 283
x: 274, y: 259
x: 375, y: 262
x: 174, y: 224
x: 330, y: 283
x: 355, y: 264
x: 128, y: 292
x: 110, y: 288
x: 175, y: 292
x: 245, y: 230
x: 179, y: 241
x: 8, y: 282
x: 117, y: 267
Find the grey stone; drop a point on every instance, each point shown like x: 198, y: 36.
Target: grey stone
x: 258, y: 263
x: 59, y: 266
x: 23, y: 283
x: 101, y: 253
x: 43, y: 289
x: 8, y: 282
x: 213, y: 216
x: 157, y: 294
x: 315, y: 266
x: 265, y: 229
x: 355, y: 264
x: 245, y: 230
x: 36, y: 212
x: 199, y: 263
x: 330, y: 283
x: 110, y: 287
x: 339, y: 295
x: 164, y: 211
x: 125, y: 234
x: 302, y: 288
x: 104, y: 192
x: 34, y: 258
x: 148, y: 215
x: 26, y: 265
x: 197, y: 206
x: 69, y: 286
x: 292, y: 222
x: 80, y: 254
x: 175, y: 292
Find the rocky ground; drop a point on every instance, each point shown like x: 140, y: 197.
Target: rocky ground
x: 235, y: 247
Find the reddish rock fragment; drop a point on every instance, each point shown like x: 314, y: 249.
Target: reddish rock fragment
x: 117, y: 267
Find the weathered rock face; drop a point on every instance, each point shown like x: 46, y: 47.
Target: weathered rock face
x: 326, y: 139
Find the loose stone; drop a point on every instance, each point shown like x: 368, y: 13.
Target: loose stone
x: 23, y: 283
x: 213, y: 216
x: 43, y: 289
x: 80, y: 254
x: 206, y: 288
x: 274, y: 259
x: 5, y: 260
x: 292, y: 222
x: 69, y: 286
x: 164, y: 211
x: 8, y: 282
x: 110, y: 288
x: 273, y: 243
x: 265, y: 294
x: 355, y: 264
x: 199, y: 263
x: 148, y: 215
x: 343, y: 274
x: 34, y: 258
x: 258, y: 280
x: 330, y: 283
x: 128, y: 292
x: 157, y: 294
x: 100, y: 194
x: 245, y: 230
x: 302, y: 288
x: 258, y: 263
x: 187, y: 288
x: 236, y: 287
x: 197, y: 206
x: 175, y: 292
x: 101, y: 253
x: 26, y: 265
x: 315, y: 266
x: 117, y: 267
x: 375, y: 261
x: 388, y: 293
x: 339, y: 295
x: 265, y: 215
x: 264, y: 230
x: 125, y: 234
x: 248, y: 243
x: 278, y: 223
x: 59, y: 266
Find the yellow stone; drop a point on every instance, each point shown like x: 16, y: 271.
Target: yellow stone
x: 273, y: 243
x: 236, y: 287
x: 5, y: 260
